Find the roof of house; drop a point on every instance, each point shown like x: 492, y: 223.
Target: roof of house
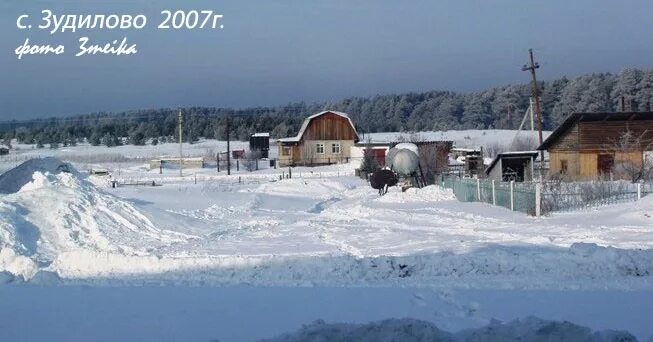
x: 4, y: 147
x: 511, y: 154
x: 299, y: 135
x: 265, y: 135
x: 585, y: 117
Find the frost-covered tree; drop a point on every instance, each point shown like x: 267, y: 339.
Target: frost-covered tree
x: 627, y: 86
x: 645, y: 94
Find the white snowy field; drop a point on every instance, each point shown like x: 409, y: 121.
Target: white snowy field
x: 275, y: 254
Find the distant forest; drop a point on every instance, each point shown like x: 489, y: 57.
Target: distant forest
x: 499, y: 107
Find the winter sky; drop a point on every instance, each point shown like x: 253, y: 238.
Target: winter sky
x: 280, y: 51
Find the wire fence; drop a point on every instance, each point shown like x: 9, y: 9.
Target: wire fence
x: 540, y: 198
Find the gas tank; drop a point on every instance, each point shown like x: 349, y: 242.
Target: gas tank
x: 403, y: 159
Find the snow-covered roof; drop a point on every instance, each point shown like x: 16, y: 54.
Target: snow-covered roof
x: 4, y: 147
x: 299, y: 135
x: 264, y: 135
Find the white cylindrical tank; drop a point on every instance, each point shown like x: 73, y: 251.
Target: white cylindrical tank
x: 403, y: 159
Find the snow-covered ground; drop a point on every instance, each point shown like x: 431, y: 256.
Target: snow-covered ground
x: 322, y: 236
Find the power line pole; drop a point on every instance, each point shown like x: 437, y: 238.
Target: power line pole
x: 228, y: 149
x: 536, y: 95
x: 181, y: 151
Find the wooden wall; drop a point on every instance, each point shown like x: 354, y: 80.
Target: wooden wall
x: 572, y: 158
x: 568, y: 141
x: 599, y: 135
x: 329, y: 126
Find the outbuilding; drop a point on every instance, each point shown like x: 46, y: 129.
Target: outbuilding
x: 589, y: 146
x: 515, y: 166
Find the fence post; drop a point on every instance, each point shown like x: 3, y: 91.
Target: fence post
x: 478, y: 189
x: 494, y: 196
x: 512, y: 195
x: 289, y: 172
x: 538, y: 199
x: 639, y: 191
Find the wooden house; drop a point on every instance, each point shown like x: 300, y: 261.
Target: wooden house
x: 324, y: 138
x: 586, y: 145
x: 515, y: 166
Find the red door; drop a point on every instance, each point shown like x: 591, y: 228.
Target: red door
x: 379, y: 154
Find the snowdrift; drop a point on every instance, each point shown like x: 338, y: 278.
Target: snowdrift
x: 14, y: 179
x: 527, y: 329
x: 49, y: 209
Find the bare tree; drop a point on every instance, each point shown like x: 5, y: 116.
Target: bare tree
x: 629, y: 144
x: 251, y: 158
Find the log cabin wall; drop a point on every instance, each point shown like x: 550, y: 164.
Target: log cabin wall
x: 600, y: 135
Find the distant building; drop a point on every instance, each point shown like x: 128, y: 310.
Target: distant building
x: 324, y: 138
x: 260, y: 142
x: 515, y: 166
x: 469, y: 161
x: 585, y: 145
x: 4, y: 150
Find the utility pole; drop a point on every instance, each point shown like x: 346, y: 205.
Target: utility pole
x: 228, y: 149
x: 536, y: 94
x: 181, y: 151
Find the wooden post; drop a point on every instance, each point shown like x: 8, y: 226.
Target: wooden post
x: 512, y: 195
x: 217, y: 161
x: 237, y: 164
x: 538, y: 199
x: 494, y: 196
x: 289, y: 172
x: 257, y: 164
x: 478, y: 189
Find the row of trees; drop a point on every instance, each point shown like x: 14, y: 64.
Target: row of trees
x: 499, y: 107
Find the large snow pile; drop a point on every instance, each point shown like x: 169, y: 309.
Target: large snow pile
x: 528, y: 329
x: 431, y: 193
x: 14, y: 179
x: 50, y: 209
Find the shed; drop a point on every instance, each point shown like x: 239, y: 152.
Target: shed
x: 260, y: 142
x: 589, y: 146
x: 515, y: 166
x: 4, y: 150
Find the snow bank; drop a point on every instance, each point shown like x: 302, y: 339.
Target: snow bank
x: 583, y: 266
x: 14, y: 179
x: 528, y: 329
x: 58, y: 211
x: 431, y: 193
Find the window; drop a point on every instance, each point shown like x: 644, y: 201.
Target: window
x: 563, y: 167
x: 319, y: 148
x: 335, y: 148
x: 285, y: 151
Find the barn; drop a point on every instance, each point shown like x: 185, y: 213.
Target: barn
x: 589, y: 146
x: 324, y: 138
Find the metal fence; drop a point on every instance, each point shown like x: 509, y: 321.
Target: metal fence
x: 539, y: 198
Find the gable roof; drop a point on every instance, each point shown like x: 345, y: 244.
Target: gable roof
x: 299, y: 135
x: 575, y: 118
x: 512, y: 154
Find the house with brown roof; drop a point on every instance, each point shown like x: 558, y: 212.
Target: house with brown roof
x: 589, y: 146
x: 324, y: 138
